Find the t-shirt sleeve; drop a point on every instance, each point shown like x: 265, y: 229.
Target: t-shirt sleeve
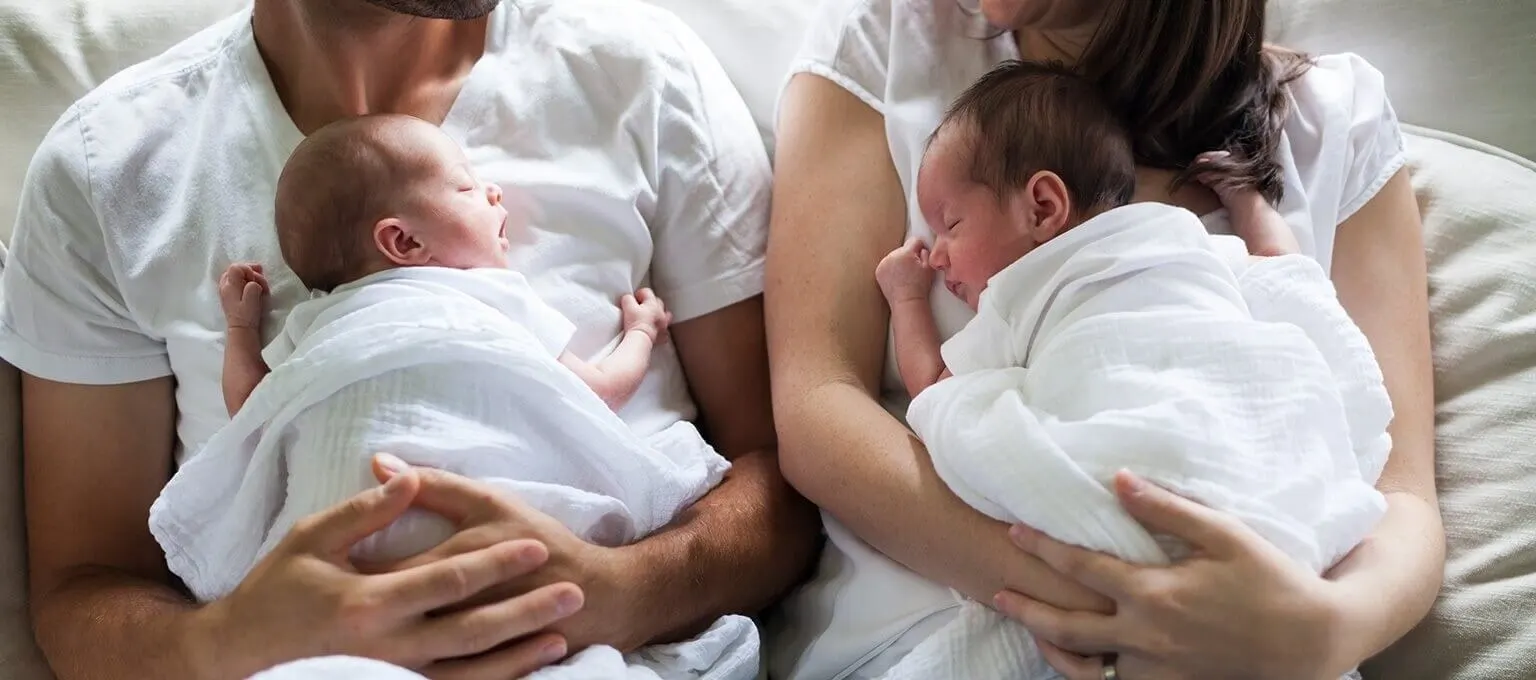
x: 62, y: 315
x: 1343, y: 100
x: 710, y: 223
x: 848, y: 43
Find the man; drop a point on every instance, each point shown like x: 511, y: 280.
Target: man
x: 643, y: 165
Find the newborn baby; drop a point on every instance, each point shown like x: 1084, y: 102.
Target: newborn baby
x: 420, y: 342
x: 1110, y: 336
x: 409, y: 200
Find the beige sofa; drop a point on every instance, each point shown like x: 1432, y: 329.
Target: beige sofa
x: 1458, y: 70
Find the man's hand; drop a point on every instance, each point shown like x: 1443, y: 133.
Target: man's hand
x: 305, y: 599
x: 242, y: 289
x: 904, y: 274
x: 645, y: 312
x: 484, y: 518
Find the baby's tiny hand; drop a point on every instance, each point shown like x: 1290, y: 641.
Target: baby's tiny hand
x: 904, y: 273
x: 645, y: 312
x: 242, y: 288
x: 1253, y: 219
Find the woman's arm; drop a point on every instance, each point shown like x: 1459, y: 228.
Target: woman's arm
x: 1390, y: 581
x: 826, y: 338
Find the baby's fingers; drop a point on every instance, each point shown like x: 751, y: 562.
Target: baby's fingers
x: 252, y: 291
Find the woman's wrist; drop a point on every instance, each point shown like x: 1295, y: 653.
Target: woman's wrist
x: 1342, y: 620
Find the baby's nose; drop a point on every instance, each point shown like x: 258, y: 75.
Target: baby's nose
x: 493, y: 193
x: 938, y: 257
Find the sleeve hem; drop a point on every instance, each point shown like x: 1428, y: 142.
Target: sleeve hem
x: 80, y: 370
x: 853, y: 87
x: 704, y: 297
x: 1388, y: 171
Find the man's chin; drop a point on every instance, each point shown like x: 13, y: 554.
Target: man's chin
x: 439, y: 9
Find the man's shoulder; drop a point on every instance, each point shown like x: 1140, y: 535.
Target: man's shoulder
x: 176, y: 70
x: 605, y: 30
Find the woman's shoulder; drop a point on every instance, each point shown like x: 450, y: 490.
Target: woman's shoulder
x: 1342, y: 130
x: 864, y: 45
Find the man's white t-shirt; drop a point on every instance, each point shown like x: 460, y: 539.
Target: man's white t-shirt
x: 908, y: 60
x: 641, y: 159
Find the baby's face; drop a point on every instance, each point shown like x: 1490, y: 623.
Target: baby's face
x: 974, y: 237
x: 465, y: 223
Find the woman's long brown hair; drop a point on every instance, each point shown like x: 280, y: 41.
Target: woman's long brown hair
x: 1192, y: 76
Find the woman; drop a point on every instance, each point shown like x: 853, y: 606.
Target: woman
x: 1317, y: 137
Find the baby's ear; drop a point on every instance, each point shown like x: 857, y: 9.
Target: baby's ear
x: 1049, y: 205
x: 395, y: 240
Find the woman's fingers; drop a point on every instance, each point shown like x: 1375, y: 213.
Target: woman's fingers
x: 1164, y: 512
x: 1081, y: 632
x: 1071, y: 665
x: 454, y: 579
x: 1104, y: 573
x: 334, y: 531
x: 515, y: 661
x: 475, y: 631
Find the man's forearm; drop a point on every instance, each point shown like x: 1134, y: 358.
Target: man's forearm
x: 108, y: 624
x: 734, y: 551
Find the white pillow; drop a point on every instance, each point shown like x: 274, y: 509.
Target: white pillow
x: 1480, y: 235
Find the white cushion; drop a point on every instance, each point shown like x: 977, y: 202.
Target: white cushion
x: 1480, y: 235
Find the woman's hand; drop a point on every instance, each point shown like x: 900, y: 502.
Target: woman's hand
x: 600, y: 577
x: 305, y: 599
x: 1236, y: 608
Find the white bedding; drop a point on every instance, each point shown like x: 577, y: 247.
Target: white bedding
x: 449, y: 369
x: 1131, y: 343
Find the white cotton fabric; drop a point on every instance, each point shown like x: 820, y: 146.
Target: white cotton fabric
x: 729, y: 650
x: 1130, y: 343
x: 455, y: 370
x: 908, y: 59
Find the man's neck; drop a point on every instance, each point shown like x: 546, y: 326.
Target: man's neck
x: 332, y: 59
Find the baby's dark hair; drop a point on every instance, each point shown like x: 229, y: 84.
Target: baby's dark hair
x: 1026, y: 117
x: 339, y: 182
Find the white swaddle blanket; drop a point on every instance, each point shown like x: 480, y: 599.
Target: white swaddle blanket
x: 449, y: 369
x: 1134, y: 342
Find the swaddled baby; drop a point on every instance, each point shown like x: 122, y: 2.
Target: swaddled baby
x: 363, y: 199
x: 420, y: 342
x: 1111, y: 336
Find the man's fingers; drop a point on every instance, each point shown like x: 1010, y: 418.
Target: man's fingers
x: 333, y: 532
x: 477, y: 630
x: 516, y: 661
x: 1106, y: 574
x: 458, y: 498
x: 454, y: 579
x: 1164, y: 512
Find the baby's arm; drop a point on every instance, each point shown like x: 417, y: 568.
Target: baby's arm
x: 618, y: 375
x: 1253, y: 219
x: 906, y: 279
x: 242, y: 290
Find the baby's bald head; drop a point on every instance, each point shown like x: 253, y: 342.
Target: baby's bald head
x: 340, y: 182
